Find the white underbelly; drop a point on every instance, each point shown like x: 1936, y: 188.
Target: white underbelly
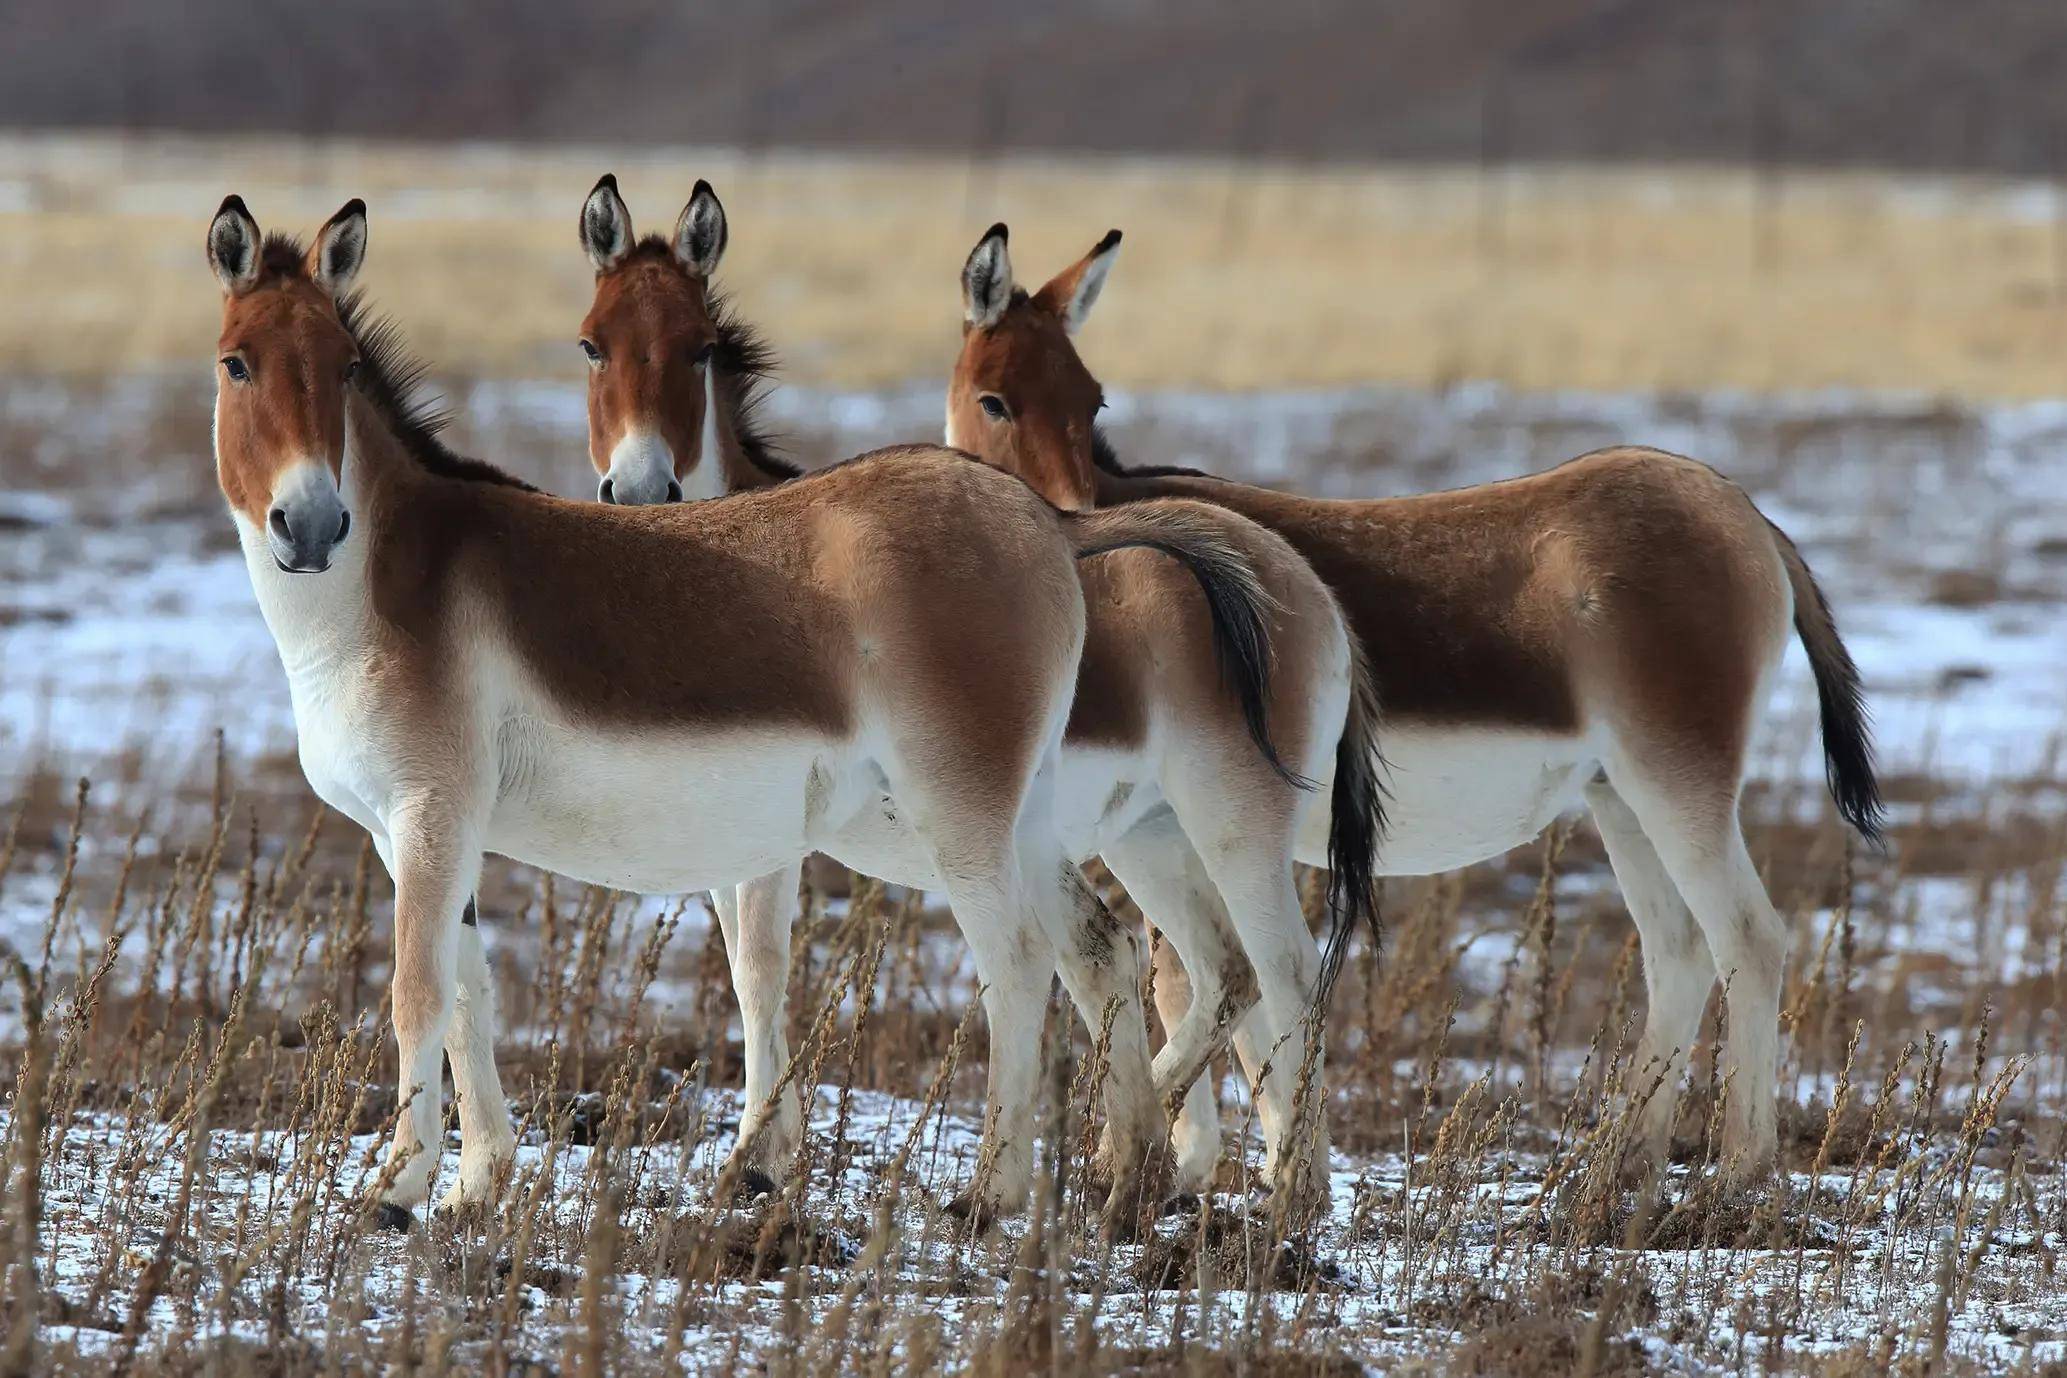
x: 657, y: 811
x: 1097, y: 798
x: 1461, y: 795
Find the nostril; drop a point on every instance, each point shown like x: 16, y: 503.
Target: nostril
x: 606, y: 491
x: 344, y: 526
x: 674, y: 491
x: 277, y: 521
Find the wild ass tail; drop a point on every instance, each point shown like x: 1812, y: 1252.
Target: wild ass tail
x: 1194, y: 535
x: 1847, y: 726
x: 1356, y: 822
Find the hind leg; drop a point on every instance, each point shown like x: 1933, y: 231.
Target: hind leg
x: 1701, y: 846
x: 1016, y: 966
x: 1678, y: 972
x: 1099, y: 959
x: 1263, y: 900
x: 1195, y: 1137
x: 1203, y: 980
x: 1246, y: 852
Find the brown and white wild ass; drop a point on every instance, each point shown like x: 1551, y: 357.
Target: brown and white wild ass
x: 1604, y: 630
x: 1160, y: 771
x: 477, y: 667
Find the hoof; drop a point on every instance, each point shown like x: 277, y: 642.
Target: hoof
x: 1183, y: 1203
x: 460, y: 1211
x: 978, y: 1211
x: 1124, y: 1221
x: 753, y: 1185
x: 389, y: 1216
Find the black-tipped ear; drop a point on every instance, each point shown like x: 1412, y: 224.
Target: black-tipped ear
x: 340, y: 249
x: 700, y: 231
x: 1072, y: 292
x: 987, y: 279
x: 606, y: 225
x: 233, y: 245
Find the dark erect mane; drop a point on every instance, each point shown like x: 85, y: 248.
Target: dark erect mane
x: 744, y: 362
x: 1105, y: 458
x: 391, y: 378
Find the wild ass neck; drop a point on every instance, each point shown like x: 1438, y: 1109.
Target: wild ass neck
x: 745, y: 458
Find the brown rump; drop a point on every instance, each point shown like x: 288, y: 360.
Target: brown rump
x: 1481, y: 605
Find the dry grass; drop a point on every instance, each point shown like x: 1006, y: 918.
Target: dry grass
x: 1236, y: 276
x: 199, y: 1087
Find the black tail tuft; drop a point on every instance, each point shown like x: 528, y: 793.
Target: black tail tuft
x: 1356, y: 824
x: 1847, y: 725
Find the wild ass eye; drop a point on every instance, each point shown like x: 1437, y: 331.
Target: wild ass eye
x: 595, y: 355
x: 993, y: 406
x: 234, y: 366
x: 352, y: 371
x: 706, y: 354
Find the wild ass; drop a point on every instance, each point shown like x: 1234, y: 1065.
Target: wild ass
x: 476, y: 667
x: 1160, y: 771
x: 1607, y: 629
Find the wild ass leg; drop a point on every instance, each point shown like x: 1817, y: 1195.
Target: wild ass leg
x: 487, y: 1142
x: 1678, y: 973
x: 1195, y: 1137
x: 1203, y: 980
x: 436, y: 865
x: 1702, y: 847
x: 757, y: 943
x: 1256, y: 882
x: 1016, y: 967
x: 1100, y: 962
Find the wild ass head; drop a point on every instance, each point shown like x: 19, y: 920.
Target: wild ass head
x: 1021, y: 398
x: 285, y: 361
x: 651, y: 339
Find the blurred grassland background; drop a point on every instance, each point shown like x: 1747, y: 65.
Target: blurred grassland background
x: 1235, y: 275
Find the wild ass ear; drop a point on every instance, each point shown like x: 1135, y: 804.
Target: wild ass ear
x: 1072, y: 292
x: 606, y: 225
x: 340, y: 249
x: 700, y: 232
x: 987, y: 279
x: 233, y: 245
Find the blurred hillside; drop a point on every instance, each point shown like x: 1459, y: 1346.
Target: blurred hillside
x: 1978, y: 85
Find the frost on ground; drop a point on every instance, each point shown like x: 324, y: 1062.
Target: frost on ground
x: 212, y: 1073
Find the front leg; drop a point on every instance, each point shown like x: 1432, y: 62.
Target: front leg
x: 436, y: 864
x: 757, y: 943
x: 487, y: 1142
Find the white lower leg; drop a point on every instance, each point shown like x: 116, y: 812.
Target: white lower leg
x: 486, y: 1140
x: 435, y: 870
x: 1707, y: 860
x: 1100, y: 963
x: 1014, y: 964
x: 1263, y: 903
x: 759, y: 950
x: 1195, y: 1138
x: 1678, y: 973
